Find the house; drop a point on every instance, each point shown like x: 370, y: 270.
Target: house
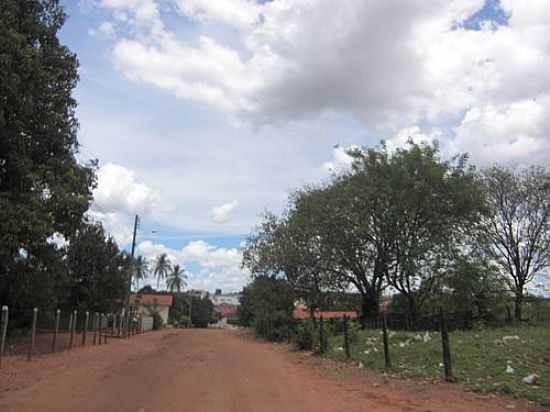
x: 226, y: 310
x: 231, y: 299
x: 146, y: 302
x: 300, y: 313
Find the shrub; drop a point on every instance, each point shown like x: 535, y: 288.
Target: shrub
x: 353, y: 331
x: 272, y: 326
x: 157, y: 321
x: 307, y: 335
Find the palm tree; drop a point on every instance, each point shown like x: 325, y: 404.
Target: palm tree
x: 176, y: 280
x: 162, y: 267
x: 141, y: 269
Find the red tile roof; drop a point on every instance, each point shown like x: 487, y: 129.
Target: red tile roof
x: 151, y: 299
x: 226, y: 309
x: 301, y: 313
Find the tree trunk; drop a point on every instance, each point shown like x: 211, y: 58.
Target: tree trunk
x: 518, y: 304
x: 369, y: 306
x: 412, y: 310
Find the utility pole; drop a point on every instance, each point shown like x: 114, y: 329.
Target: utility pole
x: 136, y: 223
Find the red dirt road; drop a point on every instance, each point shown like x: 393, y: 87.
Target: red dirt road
x: 213, y: 371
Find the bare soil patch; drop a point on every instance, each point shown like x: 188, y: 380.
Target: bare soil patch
x: 216, y: 370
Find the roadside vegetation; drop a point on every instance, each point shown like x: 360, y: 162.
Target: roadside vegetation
x: 486, y: 360
x: 53, y: 252
x: 408, y: 233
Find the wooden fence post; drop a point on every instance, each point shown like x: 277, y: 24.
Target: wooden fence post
x: 321, y: 335
x: 100, y: 326
x: 85, y: 330
x: 387, y: 360
x: 126, y: 324
x: 3, y: 331
x: 113, y: 329
x: 106, y: 327
x: 33, y: 333
x: 56, y: 330
x: 346, y: 337
x: 69, y: 329
x: 94, y: 326
x: 446, y: 348
x: 120, y: 325
x: 72, y: 327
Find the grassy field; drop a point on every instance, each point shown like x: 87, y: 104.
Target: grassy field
x: 484, y: 361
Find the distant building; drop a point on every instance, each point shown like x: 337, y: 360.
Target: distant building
x: 228, y: 299
x: 198, y: 293
x: 144, y: 303
x: 226, y: 310
x: 300, y: 313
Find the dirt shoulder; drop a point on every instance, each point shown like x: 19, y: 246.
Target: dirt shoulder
x: 215, y: 370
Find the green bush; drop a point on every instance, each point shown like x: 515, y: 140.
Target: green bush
x: 234, y: 320
x: 272, y: 326
x: 157, y: 320
x: 307, y: 335
x: 353, y: 331
x: 182, y: 322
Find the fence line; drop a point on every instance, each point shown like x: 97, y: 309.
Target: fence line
x: 40, y: 332
x: 441, y: 322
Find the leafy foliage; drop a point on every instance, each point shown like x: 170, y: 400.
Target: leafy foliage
x: 267, y: 305
x: 162, y: 267
x: 202, y: 311
x: 97, y: 271
x: 516, y: 231
x: 176, y: 279
x: 43, y: 189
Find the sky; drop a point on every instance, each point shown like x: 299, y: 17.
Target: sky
x: 204, y: 114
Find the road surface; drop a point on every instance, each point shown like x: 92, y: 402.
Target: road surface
x: 213, y: 371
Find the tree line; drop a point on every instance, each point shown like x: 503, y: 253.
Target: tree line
x: 411, y: 225
x: 45, y: 192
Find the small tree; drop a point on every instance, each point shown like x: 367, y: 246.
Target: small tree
x: 516, y: 231
x: 203, y: 310
x: 141, y: 269
x: 162, y: 267
x: 176, y: 279
x: 272, y: 305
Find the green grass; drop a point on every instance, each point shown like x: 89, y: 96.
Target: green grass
x: 479, y: 358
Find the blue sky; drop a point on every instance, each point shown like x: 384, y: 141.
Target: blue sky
x: 205, y: 114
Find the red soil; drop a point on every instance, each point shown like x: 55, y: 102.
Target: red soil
x: 216, y: 370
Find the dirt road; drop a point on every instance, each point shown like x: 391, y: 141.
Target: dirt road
x: 213, y: 371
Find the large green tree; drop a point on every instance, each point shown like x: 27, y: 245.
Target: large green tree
x: 516, y: 231
x: 423, y: 206
x: 43, y: 188
x: 97, y: 271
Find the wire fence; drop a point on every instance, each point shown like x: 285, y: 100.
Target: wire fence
x: 439, y: 322
x: 395, y: 341
x: 35, y: 332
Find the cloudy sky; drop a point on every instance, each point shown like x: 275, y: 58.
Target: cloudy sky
x: 205, y: 113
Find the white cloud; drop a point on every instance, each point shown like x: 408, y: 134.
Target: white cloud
x: 221, y: 214
x: 58, y: 240
x: 313, y: 75
x: 232, y: 12
x: 341, y: 161
x: 510, y: 133
x: 118, y: 191
x: 392, y: 64
x: 118, y: 197
x: 107, y: 29
x: 414, y: 133
x: 217, y: 267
